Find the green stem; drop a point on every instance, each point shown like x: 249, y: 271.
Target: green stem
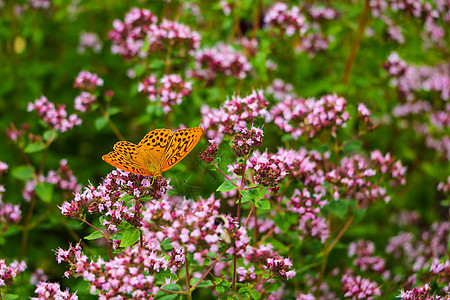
x: 188, y: 279
x: 239, y: 223
x: 356, y: 42
x: 226, y: 177
x: 26, y: 229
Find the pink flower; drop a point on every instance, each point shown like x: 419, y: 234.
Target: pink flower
x: 170, y: 90
x: 280, y: 267
x: 358, y: 288
x: 89, y: 40
x: 87, y: 81
x: 49, y: 291
x: 55, y: 117
x: 289, y: 21
x: 84, y: 101
x: 221, y: 59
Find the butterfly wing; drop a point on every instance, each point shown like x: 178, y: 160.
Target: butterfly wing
x: 181, y: 143
x: 126, y: 157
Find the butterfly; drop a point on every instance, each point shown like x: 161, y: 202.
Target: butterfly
x: 157, y: 152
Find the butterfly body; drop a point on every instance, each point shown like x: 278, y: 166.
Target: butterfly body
x: 157, y: 152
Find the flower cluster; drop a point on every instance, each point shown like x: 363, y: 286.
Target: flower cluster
x: 289, y: 21
x: 395, y: 66
x: 358, y: 178
x: 210, y: 152
x: 235, y: 114
x: 170, y: 34
x: 299, y: 116
x: 221, y: 59
x: 430, y: 117
x: 416, y: 9
x: 279, y: 89
x: 63, y: 178
x: 305, y: 166
x: 268, y: 169
x: 322, y: 13
x: 9, y: 213
x: 39, y: 4
x: 3, y: 168
x: 418, y: 252
x: 364, y: 115
x: 9, y: 272
x: 128, y: 37
x: 194, y: 225
x: 247, y: 140
x: 89, y: 40
x: 356, y: 287
x: 170, y: 90
x: 444, y: 186
x: 87, y: 81
x: 310, y: 222
x: 55, y: 117
x: 84, y: 101
x: 409, y: 78
x: 312, y: 43
x: 49, y: 291
x: 140, y: 30
x: 364, y: 260
x: 421, y: 292
x: 130, y: 273
x: 280, y: 267
x: 111, y: 198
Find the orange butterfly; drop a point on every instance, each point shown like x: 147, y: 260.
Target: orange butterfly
x: 157, y: 152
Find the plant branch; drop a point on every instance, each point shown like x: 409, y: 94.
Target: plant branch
x: 356, y: 42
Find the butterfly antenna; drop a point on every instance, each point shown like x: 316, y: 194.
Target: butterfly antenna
x: 171, y: 178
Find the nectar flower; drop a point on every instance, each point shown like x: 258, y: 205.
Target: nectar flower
x: 55, y: 117
x: 221, y: 59
x: 247, y: 140
x: 87, y: 81
x: 170, y: 90
x: 280, y: 267
x: 235, y: 114
x: 210, y: 152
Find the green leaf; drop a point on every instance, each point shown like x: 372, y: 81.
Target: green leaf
x: 282, y: 222
x: 130, y: 236
x: 227, y: 186
x: 11, y: 297
x: 263, y: 203
x: 164, y: 274
x: 23, y: 172
x: 94, y: 235
x: 50, y: 135
x: 252, y: 194
x: 272, y: 287
x: 118, y: 236
x: 338, y: 207
x: 166, y: 245
x: 204, y: 283
x: 262, y: 192
x: 100, y: 123
x: 35, y: 147
x: 357, y: 212
x: 114, y: 110
x: 139, y: 69
x: 255, y: 294
x: 352, y: 146
x: 44, y: 191
x: 125, y: 198
x: 166, y: 296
